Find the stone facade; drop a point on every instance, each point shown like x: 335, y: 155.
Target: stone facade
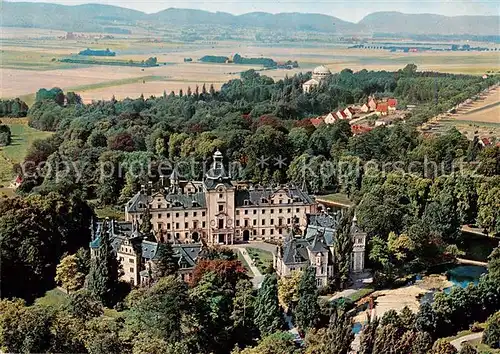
x: 137, y: 256
x: 219, y: 212
x: 319, y: 74
x: 315, y: 249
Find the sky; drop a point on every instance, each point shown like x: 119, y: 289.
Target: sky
x: 353, y: 10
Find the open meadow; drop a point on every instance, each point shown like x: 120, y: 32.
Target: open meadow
x: 22, y: 137
x: 30, y: 60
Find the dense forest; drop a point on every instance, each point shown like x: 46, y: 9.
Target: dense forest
x: 406, y: 186
x: 411, y: 193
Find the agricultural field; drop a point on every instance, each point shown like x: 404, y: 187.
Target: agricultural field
x: 479, y: 117
x: 29, y: 61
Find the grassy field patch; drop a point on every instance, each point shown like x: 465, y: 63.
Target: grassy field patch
x: 361, y: 293
x: 22, y: 138
x: 262, y: 259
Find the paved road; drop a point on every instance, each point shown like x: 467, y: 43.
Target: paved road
x: 457, y: 343
x: 258, y: 278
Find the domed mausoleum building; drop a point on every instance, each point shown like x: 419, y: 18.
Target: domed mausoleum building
x: 319, y: 74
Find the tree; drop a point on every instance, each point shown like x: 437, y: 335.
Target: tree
x: 146, y: 227
x: 244, y: 328
x: 24, y: 329
x: 81, y: 305
x: 102, y: 281
x: 494, y: 264
x: 288, y: 290
x: 386, y: 339
x: 467, y: 348
x: 69, y: 274
x: 166, y: 263
x: 391, y: 317
x: 491, y: 335
x: 443, y: 347
x: 342, y: 250
x: 368, y: 336
x: 160, y: 309
x: 425, y: 320
x: 307, y: 311
x: 278, y: 342
x: 268, y: 316
x: 227, y: 271
x: 102, y: 336
x: 5, y: 135
x: 422, y: 343
x: 407, y: 318
x: 337, y: 337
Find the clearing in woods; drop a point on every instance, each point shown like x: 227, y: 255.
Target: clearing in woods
x: 22, y: 137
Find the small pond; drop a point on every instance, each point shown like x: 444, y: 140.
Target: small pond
x: 461, y: 276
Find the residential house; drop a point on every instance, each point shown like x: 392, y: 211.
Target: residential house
x: 372, y: 104
x: 341, y: 115
x: 316, y: 249
x: 382, y: 109
x: 365, y: 108
x: 349, y: 112
x: 331, y: 118
x: 392, y: 104
x: 316, y: 122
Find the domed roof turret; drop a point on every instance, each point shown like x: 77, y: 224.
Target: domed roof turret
x: 320, y: 72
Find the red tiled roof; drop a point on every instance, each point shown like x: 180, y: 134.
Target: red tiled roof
x: 360, y: 129
x: 342, y: 114
x: 392, y: 102
x: 486, y: 141
x: 316, y: 121
x: 350, y: 109
x: 382, y: 107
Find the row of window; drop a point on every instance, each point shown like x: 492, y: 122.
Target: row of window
x: 263, y: 222
x: 238, y: 224
x: 263, y: 211
x: 186, y: 214
x: 221, y: 208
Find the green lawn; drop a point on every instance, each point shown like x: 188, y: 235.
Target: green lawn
x: 262, y: 259
x: 361, y: 293
x: 22, y: 137
x: 108, y: 212
x: 244, y: 262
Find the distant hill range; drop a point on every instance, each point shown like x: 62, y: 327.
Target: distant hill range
x: 105, y: 18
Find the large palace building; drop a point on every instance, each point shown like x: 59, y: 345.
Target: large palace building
x: 218, y: 211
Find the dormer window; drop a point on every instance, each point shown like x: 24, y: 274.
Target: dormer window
x: 246, y: 202
x: 263, y: 200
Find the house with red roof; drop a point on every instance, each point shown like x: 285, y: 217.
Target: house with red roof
x: 349, y: 112
x: 317, y: 121
x: 341, y: 115
x: 392, y: 103
x: 382, y: 109
x: 360, y: 129
x: 364, y: 108
x: 331, y: 118
x: 484, y: 141
x: 372, y: 104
